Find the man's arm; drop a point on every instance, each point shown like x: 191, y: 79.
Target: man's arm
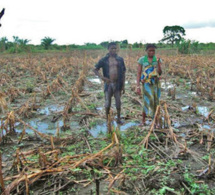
x: 97, y: 73
x: 124, y: 71
x: 139, y: 71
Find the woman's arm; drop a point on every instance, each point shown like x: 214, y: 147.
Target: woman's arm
x: 159, y: 70
x: 139, y: 72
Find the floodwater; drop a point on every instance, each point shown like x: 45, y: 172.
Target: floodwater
x: 167, y: 85
x: 42, y: 126
x: 201, y: 110
x: 95, y: 80
x: 101, y: 129
x: 51, y: 109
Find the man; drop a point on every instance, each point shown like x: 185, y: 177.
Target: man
x: 113, y: 68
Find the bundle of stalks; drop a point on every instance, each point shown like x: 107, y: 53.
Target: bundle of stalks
x: 28, y: 107
x: 76, y: 89
x: 208, y: 133
x: 49, y: 163
x: 3, y: 103
x: 13, y: 93
x: 1, y: 174
x: 157, y: 119
x: 10, y: 122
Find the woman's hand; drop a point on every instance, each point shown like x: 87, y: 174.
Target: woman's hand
x: 158, y: 57
x: 138, y: 91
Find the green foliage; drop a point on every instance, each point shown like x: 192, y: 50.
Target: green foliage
x: 137, y: 45
x: 3, y: 43
x: 47, y: 42
x: 22, y: 45
x: 165, y: 189
x: 188, y: 47
x: 173, y: 34
x: 194, y: 187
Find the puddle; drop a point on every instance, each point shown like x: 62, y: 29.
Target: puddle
x: 183, y: 135
x: 207, y: 127
x: 176, y: 125
x: 102, y: 128
x: 98, y: 80
x: 166, y: 85
x: 41, y: 126
x: 95, y: 80
x: 50, y: 109
x: 181, y: 96
x: 185, y: 108
x: 193, y: 93
x: 202, y: 110
x: 99, y: 108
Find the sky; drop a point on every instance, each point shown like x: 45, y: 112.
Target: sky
x: 94, y: 21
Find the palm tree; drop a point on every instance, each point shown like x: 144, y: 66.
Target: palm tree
x: 23, y: 42
x: 46, y: 42
x: 3, y: 43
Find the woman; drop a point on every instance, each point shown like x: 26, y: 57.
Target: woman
x: 149, y: 70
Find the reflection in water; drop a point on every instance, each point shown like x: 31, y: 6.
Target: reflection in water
x: 102, y: 128
x: 95, y: 80
x: 43, y: 127
x: 51, y: 108
x: 202, y: 110
x: 166, y: 85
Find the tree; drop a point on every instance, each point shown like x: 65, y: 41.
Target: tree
x: 47, y: 42
x: 19, y: 44
x: 188, y: 46
x: 3, y: 43
x: 104, y: 44
x: 23, y: 42
x: 173, y: 34
x: 124, y: 43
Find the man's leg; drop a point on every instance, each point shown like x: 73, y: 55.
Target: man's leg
x: 117, y: 95
x: 108, y: 96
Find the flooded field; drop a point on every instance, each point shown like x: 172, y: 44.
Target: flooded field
x: 55, y: 138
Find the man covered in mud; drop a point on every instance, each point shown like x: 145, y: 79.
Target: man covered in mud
x: 113, y: 68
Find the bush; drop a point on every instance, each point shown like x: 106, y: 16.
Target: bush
x: 188, y: 47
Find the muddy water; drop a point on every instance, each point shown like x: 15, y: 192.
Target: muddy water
x: 43, y: 126
x: 42, y: 122
x: 167, y: 85
x: 51, y: 109
x: 95, y: 80
x: 202, y: 110
x: 101, y: 129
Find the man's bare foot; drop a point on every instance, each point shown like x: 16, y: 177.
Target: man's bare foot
x: 157, y: 126
x: 142, y: 124
x: 119, y: 122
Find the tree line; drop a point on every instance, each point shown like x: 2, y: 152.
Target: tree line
x: 173, y: 37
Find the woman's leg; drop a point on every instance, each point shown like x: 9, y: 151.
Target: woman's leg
x: 157, y: 102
